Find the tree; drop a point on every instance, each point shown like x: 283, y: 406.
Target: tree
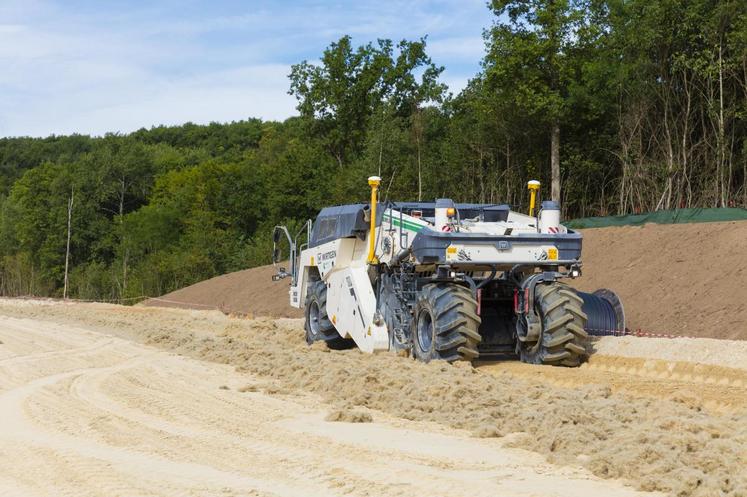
x: 338, y: 97
x: 638, y: 105
x: 531, y: 62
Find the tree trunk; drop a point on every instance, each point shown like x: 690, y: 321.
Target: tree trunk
x: 418, y: 125
x: 121, y: 226
x: 555, y: 162
x: 67, y: 249
x: 724, y: 182
x: 420, y: 175
x: 509, y: 193
x: 381, y: 142
x: 685, y: 153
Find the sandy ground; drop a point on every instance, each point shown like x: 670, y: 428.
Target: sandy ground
x: 87, y: 413
x: 93, y: 399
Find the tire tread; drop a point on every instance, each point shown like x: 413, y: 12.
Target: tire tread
x: 563, y: 339
x: 456, y: 323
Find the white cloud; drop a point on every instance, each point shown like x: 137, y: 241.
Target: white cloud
x: 224, y: 96
x: 455, y: 83
x: 101, y: 70
x: 468, y: 48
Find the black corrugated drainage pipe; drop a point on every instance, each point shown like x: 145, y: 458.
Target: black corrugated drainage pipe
x: 605, y: 312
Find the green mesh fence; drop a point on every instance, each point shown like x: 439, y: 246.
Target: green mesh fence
x: 677, y: 216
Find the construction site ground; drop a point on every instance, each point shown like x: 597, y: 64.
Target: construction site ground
x: 108, y: 400
x: 100, y: 399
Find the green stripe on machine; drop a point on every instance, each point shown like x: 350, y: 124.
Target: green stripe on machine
x: 408, y: 225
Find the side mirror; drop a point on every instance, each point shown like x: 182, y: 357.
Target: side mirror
x: 276, y: 255
x: 276, y: 235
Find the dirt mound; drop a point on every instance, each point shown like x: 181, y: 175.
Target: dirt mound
x: 249, y: 292
x: 683, y: 279
x: 680, y: 279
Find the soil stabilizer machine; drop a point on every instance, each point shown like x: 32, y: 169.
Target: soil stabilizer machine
x: 448, y: 281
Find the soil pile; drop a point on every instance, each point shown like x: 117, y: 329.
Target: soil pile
x: 679, y: 279
x: 250, y: 292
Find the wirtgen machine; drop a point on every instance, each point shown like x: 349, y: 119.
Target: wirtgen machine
x: 448, y: 281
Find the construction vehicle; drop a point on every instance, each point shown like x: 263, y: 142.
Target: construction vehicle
x: 443, y: 280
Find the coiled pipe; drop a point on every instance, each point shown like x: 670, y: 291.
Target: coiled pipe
x: 604, y: 311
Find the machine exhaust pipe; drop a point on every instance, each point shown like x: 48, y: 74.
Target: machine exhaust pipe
x: 605, y: 312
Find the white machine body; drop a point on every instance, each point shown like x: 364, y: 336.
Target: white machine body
x: 342, y: 263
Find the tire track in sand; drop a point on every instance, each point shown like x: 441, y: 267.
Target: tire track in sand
x: 715, y: 388
x: 137, y: 421
x: 92, y: 459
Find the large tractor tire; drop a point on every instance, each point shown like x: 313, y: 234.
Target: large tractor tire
x: 318, y: 326
x: 563, y: 338
x: 446, y: 324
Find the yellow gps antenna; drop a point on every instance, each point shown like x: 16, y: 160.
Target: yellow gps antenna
x: 534, y: 187
x: 373, y: 182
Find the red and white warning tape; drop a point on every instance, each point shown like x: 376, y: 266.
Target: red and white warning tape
x: 635, y: 333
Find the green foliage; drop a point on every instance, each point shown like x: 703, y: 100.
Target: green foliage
x: 338, y: 97
x: 650, y: 98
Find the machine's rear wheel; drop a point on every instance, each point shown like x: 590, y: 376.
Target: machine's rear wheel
x: 446, y: 324
x: 318, y: 326
x: 563, y: 339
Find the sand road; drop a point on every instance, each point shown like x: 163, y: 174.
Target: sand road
x: 85, y: 412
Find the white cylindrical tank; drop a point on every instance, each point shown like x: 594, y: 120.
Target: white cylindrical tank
x: 549, y: 217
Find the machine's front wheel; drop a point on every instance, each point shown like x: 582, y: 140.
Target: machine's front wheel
x: 446, y: 324
x: 563, y: 338
x: 318, y: 326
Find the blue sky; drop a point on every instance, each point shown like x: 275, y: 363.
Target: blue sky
x: 96, y: 66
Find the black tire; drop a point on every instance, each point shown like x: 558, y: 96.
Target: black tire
x: 318, y: 326
x: 563, y: 340
x: 446, y: 324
